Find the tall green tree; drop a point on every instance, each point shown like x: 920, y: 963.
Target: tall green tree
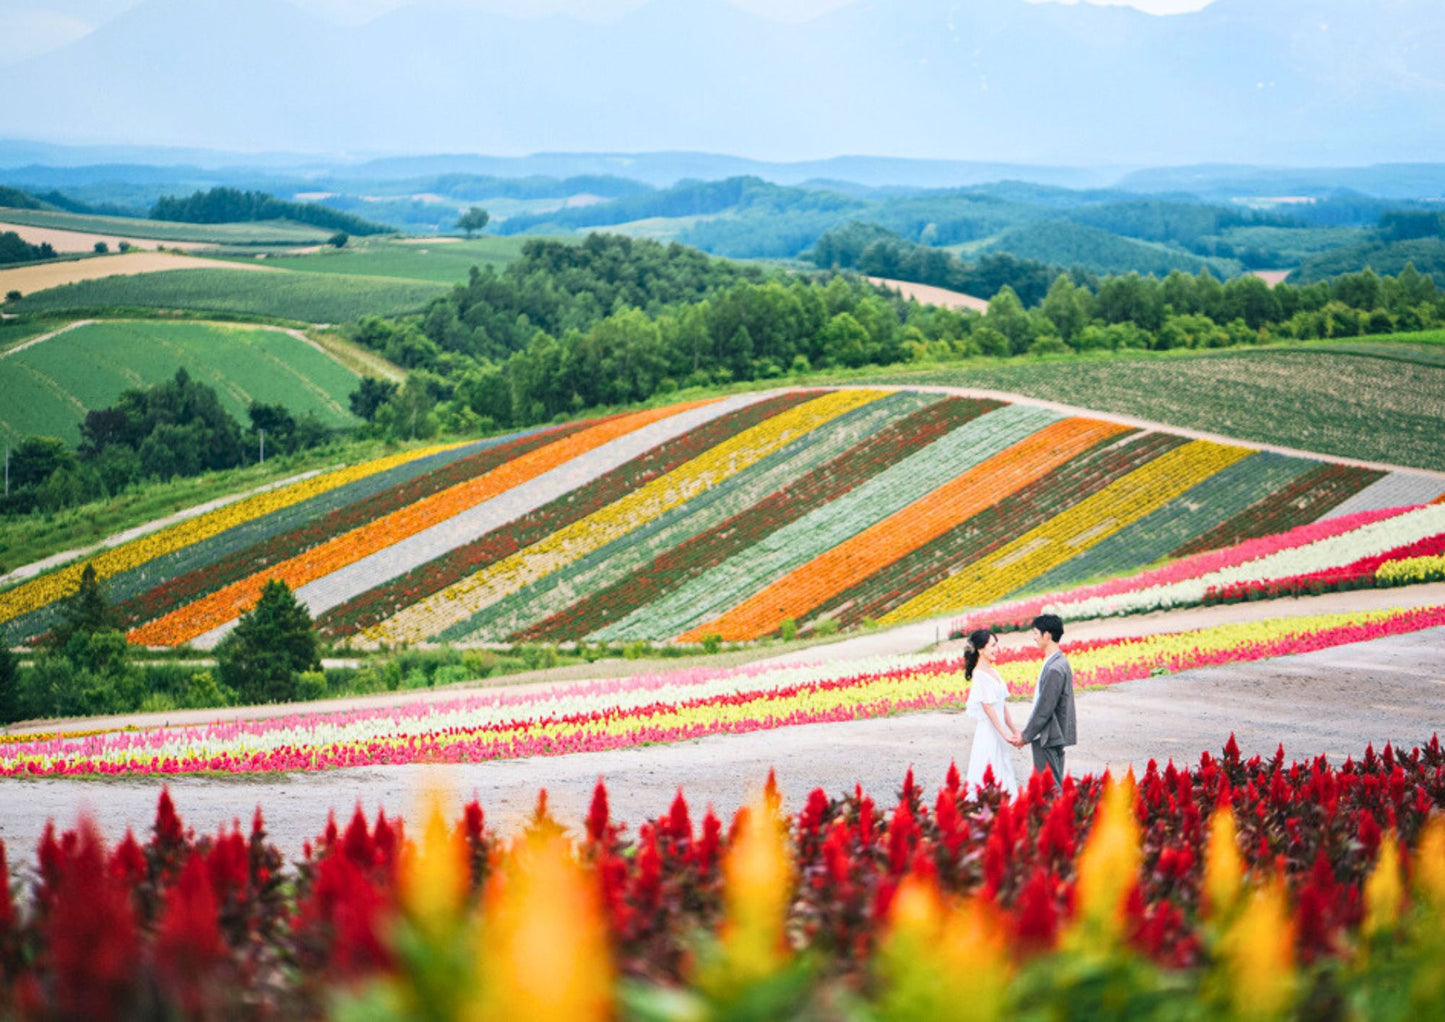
x: 271, y: 644
x: 84, y: 612
x: 473, y: 220
x: 10, y: 702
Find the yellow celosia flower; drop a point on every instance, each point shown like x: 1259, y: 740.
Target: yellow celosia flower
x: 758, y: 887
x: 1384, y: 890
x: 1429, y: 863
x: 941, y: 962
x: 434, y: 873
x: 1223, y: 865
x: 543, y: 951
x: 1108, y: 868
x: 1257, y: 956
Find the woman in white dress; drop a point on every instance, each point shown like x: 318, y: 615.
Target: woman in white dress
x: 987, y: 703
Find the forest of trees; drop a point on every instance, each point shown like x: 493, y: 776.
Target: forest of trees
x: 175, y: 428
x: 231, y: 205
x: 568, y: 328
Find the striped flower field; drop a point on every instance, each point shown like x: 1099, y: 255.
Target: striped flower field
x: 562, y: 718
x: 730, y: 516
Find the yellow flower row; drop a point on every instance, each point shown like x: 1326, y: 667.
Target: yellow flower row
x: 46, y: 589
x: 1220, y: 644
x: 1411, y: 570
x: 1073, y: 531
x: 461, y: 599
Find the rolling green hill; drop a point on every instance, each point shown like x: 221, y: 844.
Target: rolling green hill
x: 51, y: 385
x: 439, y: 260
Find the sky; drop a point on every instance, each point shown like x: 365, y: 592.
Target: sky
x: 29, y: 28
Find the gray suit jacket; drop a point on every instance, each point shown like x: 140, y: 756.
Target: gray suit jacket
x: 1052, y: 723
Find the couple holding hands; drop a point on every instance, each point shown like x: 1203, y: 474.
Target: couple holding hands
x: 1050, y: 726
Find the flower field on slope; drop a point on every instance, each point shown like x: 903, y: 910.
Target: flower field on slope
x: 1235, y: 889
x: 678, y: 705
x: 1389, y: 547
x: 730, y: 516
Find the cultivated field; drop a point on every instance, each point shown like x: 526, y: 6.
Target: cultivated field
x: 270, y: 232
x: 928, y: 295
x: 731, y: 516
x: 50, y: 386
x: 84, y: 241
x: 1356, y: 404
x: 442, y: 260
x: 303, y: 297
x: 37, y: 277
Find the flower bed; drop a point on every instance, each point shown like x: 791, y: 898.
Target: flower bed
x: 777, y: 552
x: 850, y: 561
x: 46, y: 589
x: 379, y: 603
x: 229, y: 602
x: 453, y: 613
x: 1076, y: 529
x: 683, y: 542
x: 1233, y: 889
x: 671, y: 706
x: 1139, y: 593
x: 875, y: 451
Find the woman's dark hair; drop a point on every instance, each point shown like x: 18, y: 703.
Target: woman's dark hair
x: 1050, y: 624
x: 976, y: 641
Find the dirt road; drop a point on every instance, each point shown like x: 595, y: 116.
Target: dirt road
x: 1333, y: 702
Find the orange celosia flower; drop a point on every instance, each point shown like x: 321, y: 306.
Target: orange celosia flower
x: 1108, y: 868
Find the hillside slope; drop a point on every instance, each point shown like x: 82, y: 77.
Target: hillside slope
x: 720, y: 516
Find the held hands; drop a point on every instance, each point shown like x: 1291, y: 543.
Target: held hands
x: 1016, y: 740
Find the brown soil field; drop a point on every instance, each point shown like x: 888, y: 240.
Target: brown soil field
x: 427, y: 241
x: 926, y: 294
x: 80, y: 241
x: 1271, y: 277
x: 29, y: 279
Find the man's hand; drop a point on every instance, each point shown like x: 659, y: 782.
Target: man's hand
x: 1017, y: 740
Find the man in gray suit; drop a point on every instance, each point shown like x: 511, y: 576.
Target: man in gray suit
x: 1051, y: 724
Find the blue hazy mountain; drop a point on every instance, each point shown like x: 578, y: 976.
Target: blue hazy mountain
x: 1285, y: 82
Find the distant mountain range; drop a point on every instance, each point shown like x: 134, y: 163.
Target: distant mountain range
x: 993, y: 83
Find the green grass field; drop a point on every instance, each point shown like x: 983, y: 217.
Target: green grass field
x: 442, y: 262
x: 261, y: 232
x: 1348, y: 400
x: 303, y: 297
x: 50, y: 386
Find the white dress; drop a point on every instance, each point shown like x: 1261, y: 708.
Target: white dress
x: 989, y: 747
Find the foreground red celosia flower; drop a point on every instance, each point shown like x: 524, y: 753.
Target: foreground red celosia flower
x: 196, y: 925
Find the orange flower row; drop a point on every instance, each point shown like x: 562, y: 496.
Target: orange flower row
x: 227, y: 604
x: 906, y: 530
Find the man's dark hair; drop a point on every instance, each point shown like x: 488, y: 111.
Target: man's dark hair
x: 1050, y: 624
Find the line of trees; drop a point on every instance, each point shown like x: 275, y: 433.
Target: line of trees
x: 569, y: 328
x: 231, y: 205
x: 176, y: 428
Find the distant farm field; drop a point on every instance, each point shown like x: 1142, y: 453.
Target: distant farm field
x: 262, y: 232
x: 1356, y: 404
x: 445, y: 261
x: 33, y: 277
x: 85, y: 241
x: 50, y: 386
x: 307, y: 297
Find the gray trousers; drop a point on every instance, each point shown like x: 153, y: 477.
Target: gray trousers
x: 1050, y: 759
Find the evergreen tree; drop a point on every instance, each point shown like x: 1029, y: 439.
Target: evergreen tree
x: 270, y: 645
x: 84, y: 612
x: 10, y: 710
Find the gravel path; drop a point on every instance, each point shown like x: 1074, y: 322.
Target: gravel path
x: 1333, y: 702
